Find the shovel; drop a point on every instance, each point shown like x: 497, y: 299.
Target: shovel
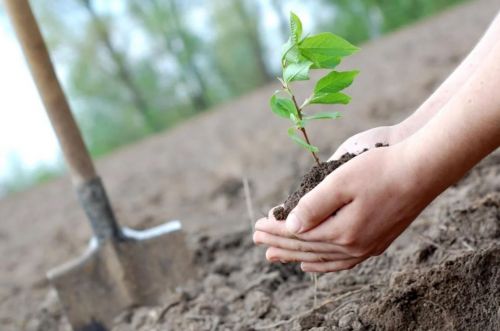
x: 121, y: 267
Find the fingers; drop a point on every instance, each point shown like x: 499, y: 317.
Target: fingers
x: 274, y: 254
x: 334, y: 228
x: 264, y: 238
x: 318, y: 204
x: 274, y: 227
x: 337, y: 229
x: 330, y: 266
x: 329, y: 247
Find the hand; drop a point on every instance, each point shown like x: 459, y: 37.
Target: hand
x: 372, y: 198
x: 387, y: 135
x: 364, y: 140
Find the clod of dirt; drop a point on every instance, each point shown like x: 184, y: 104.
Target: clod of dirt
x: 310, y: 180
x: 441, y: 298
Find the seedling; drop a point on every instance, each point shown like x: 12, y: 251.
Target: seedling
x: 299, y: 56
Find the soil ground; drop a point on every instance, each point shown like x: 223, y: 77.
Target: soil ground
x: 441, y: 274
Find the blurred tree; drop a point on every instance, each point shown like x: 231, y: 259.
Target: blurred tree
x: 122, y: 69
x: 277, y: 6
x: 355, y: 20
x: 362, y: 20
x: 248, y: 12
x: 162, y: 20
x: 188, y: 45
x: 235, y: 50
x: 398, y: 13
x: 101, y: 102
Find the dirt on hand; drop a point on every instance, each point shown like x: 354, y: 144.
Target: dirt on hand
x: 309, y: 181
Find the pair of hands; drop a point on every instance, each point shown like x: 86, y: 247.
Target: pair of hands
x: 359, y: 209
x: 354, y: 213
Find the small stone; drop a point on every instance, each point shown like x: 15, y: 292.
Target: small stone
x: 349, y: 321
x: 51, y: 303
x: 310, y: 321
x: 214, y: 281
x: 396, y: 279
x: 257, y: 303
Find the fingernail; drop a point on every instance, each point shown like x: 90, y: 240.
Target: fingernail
x: 293, y: 224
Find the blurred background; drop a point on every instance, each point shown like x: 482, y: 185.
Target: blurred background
x: 132, y: 68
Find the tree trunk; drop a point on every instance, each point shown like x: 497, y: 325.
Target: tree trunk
x: 252, y: 34
x: 122, y: 70
x: 186, y: 57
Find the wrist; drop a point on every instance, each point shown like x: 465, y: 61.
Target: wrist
x: 401, y: 131
x: 431, y: 164
x: 418, y: 119
x: 422, y: 170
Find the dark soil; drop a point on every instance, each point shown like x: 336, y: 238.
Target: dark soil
x: 448, y: 297
x: 309, y: 181
x: 442, y: 274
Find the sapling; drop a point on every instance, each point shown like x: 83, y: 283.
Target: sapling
x: 299, y: 56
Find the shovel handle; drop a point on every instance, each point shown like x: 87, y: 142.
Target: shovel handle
x: 89, y: 186
x: 53, y: 98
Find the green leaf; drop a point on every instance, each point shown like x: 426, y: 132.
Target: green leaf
x: 331, y: 98
x: 324, y: 61
x: 290, y: 52
x: 292, y: 133
x: 297, y: 71
x: 335, y: 81
x: 295, y: 27
x: 324, y: 115
x: 325, y: 44
x: 282, y: 107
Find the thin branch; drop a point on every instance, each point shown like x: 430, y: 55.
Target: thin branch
x: 302, y: 129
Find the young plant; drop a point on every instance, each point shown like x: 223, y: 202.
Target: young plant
x: 300, y: 55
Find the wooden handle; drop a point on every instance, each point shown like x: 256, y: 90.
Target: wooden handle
x: 54, y: 100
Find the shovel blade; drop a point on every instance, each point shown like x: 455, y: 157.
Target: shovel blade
x: 115, y: 275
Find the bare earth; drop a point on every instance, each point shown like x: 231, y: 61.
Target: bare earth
x: 442, y: 274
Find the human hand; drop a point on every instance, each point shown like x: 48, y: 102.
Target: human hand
x: 356, y: 212
x: 366, y: 140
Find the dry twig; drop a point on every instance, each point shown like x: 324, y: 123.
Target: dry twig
x: 248, y: 199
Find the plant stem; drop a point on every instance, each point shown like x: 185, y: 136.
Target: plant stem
x: 302, y: 129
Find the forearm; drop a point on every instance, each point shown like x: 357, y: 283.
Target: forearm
x: 463, y: 132
x: 454, y: 82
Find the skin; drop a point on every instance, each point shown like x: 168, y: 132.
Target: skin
x: 457, y: 127
x: 397, y: 133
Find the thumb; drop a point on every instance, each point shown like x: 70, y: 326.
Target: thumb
x: 317, y: 205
